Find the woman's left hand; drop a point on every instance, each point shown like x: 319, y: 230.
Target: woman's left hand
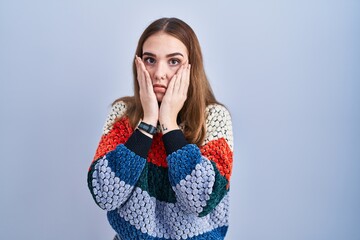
x: 174, y: 99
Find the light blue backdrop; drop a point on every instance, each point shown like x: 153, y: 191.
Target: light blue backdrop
x: 289, y: 71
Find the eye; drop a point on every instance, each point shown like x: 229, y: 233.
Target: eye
x: 149, y: 60
x: 174, y: 61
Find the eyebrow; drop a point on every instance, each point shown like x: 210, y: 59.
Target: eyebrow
x: 169, y: 55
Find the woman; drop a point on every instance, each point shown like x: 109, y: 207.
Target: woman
x: 164, y: 161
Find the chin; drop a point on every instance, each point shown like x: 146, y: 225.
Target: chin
x: 159, y: 97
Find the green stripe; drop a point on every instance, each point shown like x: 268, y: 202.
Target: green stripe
x: 219, y: 191
x: 155, y: 180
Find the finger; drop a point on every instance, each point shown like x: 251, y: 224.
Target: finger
x: 187, y: 79
x: 170, y: 88
x: 184, y: 82
x: 138, y: 68
x: 140, y: 74
x: 148, y: 80
x: 178, y: 82
x: 146, y: 75
x: 184, y: 79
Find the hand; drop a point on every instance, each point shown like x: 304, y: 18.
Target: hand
x: 147, y: 96
x: 174, y: 98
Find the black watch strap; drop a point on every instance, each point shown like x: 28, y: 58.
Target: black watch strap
x: 147, y: 128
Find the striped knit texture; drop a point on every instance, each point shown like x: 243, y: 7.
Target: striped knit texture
x: 183, y: 195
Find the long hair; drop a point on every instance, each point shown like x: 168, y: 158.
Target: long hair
x: 200, y: 94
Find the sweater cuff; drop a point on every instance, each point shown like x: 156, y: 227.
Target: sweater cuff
x: 174, y: 140
x: 139, y: 143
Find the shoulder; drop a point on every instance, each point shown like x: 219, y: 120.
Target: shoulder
x: 117, y: 111
x: 217, y: 112
x: 118, y: 108
x: 218, y: 124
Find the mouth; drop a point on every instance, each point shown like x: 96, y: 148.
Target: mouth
x: 158, y: 88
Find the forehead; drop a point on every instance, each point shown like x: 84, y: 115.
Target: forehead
x: 163, y: 44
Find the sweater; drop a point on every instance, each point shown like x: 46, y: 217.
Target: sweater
x: 164, y: 187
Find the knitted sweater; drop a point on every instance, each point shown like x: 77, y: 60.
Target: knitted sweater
x: 165, y: 187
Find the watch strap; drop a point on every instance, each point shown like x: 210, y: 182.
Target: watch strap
x: 147, y: 128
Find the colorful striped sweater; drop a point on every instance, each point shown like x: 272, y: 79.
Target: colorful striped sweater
x: 165, y: 187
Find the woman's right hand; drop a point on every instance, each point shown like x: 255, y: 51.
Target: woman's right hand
x: 147, y: 96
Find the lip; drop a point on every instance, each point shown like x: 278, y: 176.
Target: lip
x: 158, y: 88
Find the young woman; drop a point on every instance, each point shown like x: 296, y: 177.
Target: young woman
x: 163, y: 164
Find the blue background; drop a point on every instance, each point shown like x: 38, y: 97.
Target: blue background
x: 287, y: 70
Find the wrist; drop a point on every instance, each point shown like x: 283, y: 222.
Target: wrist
x: 167, y: 126
x: 151, y: 121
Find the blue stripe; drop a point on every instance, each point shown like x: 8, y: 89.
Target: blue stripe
x: 126, y: 164
x: 182, y: 162
x: 127, y: 231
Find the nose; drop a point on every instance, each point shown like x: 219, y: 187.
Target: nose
x: 160, y: 71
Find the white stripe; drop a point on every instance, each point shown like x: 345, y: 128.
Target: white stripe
x: 167, y: 220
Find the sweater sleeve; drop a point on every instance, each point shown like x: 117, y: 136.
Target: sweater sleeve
x: 119, y: 160
x: 200, y: 176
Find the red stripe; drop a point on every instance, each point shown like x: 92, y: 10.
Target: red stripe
x: 119, y: 133
x: 219, y: 151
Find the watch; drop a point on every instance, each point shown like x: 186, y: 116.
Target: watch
x: 147, y: 128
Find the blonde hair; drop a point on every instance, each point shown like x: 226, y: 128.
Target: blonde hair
x: 200, y: 94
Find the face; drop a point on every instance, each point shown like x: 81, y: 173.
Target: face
x: 163, y: 55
